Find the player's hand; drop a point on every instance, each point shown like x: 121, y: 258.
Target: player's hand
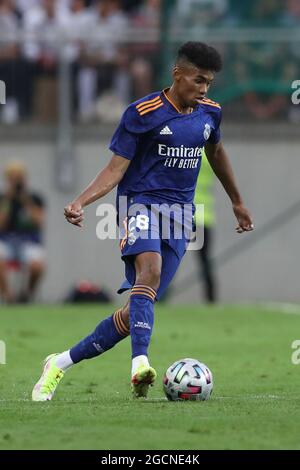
x: 245, y: 222
x: 74, y: 214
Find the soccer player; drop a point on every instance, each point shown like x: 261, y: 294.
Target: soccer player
x: 157, y: 151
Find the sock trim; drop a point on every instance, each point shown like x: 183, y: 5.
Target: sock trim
x: 145, y: 287
x: 146, y: 291
x: 123, y: 323
x: 119, y: 323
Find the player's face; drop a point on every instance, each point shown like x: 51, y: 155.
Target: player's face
x: 192, y: 83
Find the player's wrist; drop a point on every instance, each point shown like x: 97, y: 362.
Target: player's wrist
x: 237, y: 202
x: 77, y: 204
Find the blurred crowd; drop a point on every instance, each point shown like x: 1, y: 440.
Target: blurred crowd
x: 248, y: 13
x: 99, y: 64
x: 111, y: 67
x: 258, y: 73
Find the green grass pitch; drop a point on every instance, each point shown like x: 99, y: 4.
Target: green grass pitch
x: 255, y: 403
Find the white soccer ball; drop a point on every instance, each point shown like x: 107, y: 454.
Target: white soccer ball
x: 188, y: 379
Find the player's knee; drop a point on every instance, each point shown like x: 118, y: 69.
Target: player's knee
x: 150, y: 276
x: 148, y: 269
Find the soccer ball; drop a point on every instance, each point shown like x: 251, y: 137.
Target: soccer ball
x: 188, y: 379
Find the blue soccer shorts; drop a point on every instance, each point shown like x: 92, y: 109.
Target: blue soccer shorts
x: 151, y: 231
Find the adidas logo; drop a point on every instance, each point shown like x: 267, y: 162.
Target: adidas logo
x: 166, y: 131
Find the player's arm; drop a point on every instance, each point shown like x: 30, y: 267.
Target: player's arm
x: 104, y: 182
x: 221, y: 166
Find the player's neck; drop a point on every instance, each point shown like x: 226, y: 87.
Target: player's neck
x: 177, y: 102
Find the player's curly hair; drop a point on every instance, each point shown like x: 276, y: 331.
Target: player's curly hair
x: 201, y: 55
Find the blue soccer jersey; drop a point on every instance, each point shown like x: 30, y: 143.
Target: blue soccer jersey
x: 165, y: 148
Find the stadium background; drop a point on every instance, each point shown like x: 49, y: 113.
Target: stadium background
x: 64, y: 143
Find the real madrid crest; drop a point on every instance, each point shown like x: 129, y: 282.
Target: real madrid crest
x: 207, y: 131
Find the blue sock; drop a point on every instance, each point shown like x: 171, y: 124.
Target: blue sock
x: 141, y: 312
x: 108, y: 333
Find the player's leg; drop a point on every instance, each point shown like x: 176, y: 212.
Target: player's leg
x: 5, y: 292
x: 170, y: 264
x: 141, y: 311
x: 165, y: 271
x: 105, y: 336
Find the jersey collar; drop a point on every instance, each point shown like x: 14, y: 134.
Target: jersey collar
x: 171, y: 105
x: 168, y: 101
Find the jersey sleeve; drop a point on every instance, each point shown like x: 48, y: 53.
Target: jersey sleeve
x: 215, y: 135
x: 124, y: 142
